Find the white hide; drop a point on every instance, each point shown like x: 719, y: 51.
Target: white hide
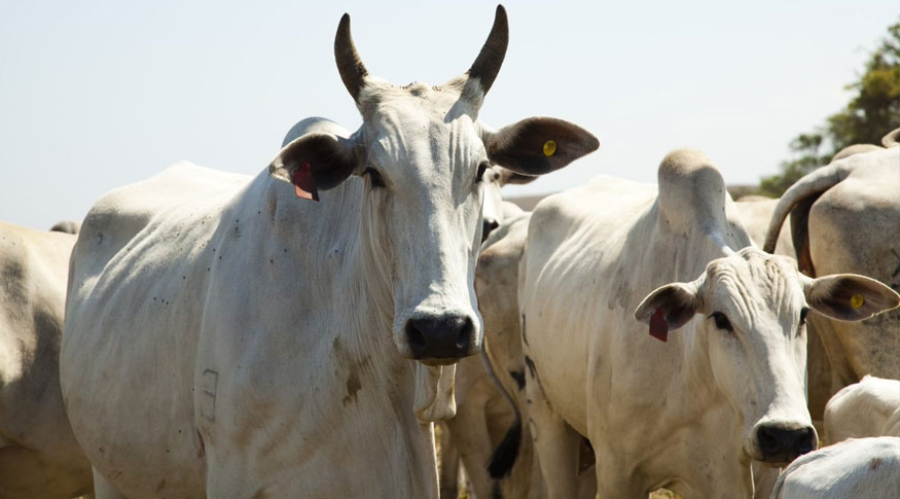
x: 686, y: 414
x: 39, y: 456
x: 855, y: 468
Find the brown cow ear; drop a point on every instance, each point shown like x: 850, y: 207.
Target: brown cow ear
x: 535, y: 146
x: 315, y: 161
x: 849, y: 297
x: 669, y: 307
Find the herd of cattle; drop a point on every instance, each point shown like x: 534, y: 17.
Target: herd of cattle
x: 224, y: 338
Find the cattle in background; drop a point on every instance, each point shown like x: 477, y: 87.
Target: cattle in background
x: 845, y: 217
x: 692, y: 411
x: 66, y: 226
x: 863, y: 467
x: 484, y: 412
x: 39, y: 456
x: 245, y: 342
x: 870, y: 408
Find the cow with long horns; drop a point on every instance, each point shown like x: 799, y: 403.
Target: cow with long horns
x: 244, y: 342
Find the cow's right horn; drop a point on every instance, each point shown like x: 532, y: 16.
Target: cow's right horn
x: 352, y: 70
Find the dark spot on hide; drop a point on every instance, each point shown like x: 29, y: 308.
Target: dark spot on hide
x: 161, y: 486
x: 524, y: 336
x: 875, y: 463
x: 201, y: 452
x: 353, y: 386
x: 519, y: 377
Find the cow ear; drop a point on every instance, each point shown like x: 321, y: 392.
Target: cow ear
x: 535, y: 146
x: 511, y: 177
x: 315, y: 161
x: 669, y: 307
x: 849, y: 297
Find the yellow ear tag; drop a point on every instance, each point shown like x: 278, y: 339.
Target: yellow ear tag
x: 857, y: 301
x: 549, y: 148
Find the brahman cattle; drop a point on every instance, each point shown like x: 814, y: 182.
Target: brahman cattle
x: 870, y: 408
x: 845, y: 217
x: 717, y: 382
x: 244, y: 342
x: 39, y: 456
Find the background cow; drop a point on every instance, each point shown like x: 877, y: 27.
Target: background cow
x: 245, y: 342
x: 870, y: 408
x: 39, y: 456
x: 845, y: 217
x: 864, y: 467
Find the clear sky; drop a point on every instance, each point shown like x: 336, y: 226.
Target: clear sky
x: 94, y: 95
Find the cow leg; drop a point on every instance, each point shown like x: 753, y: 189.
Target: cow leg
x: 449, y: 478
x: 556, y: 445
x: 103, y: 489
x: 470, y: 434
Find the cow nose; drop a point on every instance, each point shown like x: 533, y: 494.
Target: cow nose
x: 782, y: 445
x: 487, y: 227
x: 440, y: 337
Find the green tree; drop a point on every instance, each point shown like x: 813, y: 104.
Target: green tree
x: 873, y: 111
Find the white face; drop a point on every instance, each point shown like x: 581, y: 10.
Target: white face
x: 425, y: 175
x: 755, y: 324
x: 424, y: 156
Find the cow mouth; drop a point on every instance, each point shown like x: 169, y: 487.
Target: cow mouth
x: 439, y: 362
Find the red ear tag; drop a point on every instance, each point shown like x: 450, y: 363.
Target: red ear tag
x: 659, y: 328
x: 304, y: 185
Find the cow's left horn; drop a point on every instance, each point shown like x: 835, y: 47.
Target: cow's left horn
x: 352, y: 70
x: 489, y: 60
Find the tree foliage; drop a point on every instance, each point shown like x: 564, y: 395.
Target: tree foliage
x: 873, y: 111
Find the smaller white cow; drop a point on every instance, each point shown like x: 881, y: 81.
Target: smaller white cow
x: 726, y: 389
x: 855, y: 468
x: 870, y: 408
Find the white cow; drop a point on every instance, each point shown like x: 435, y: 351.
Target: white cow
x: 245, y: 342
x: 692, y: 411
x: 870, y: 408
x: 845, y: 217
x: 39, y: 456
x: 855, y: 468
x: 484, y: 412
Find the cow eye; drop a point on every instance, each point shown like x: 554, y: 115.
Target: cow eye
x: 803, y: 314
x: 374, y: 177
x: 722, y: 322
x: 481, y: 169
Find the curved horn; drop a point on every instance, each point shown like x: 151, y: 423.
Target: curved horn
x: 892, y: 139
x: 489, y: 60
x: 352, y: 70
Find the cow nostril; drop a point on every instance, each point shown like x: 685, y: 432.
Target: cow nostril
x: 465, y: 335
x: 768, y: 441
x: 806, y: 442
x: 416, y: 339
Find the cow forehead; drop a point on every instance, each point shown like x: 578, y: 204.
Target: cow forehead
x: 755, y: 283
